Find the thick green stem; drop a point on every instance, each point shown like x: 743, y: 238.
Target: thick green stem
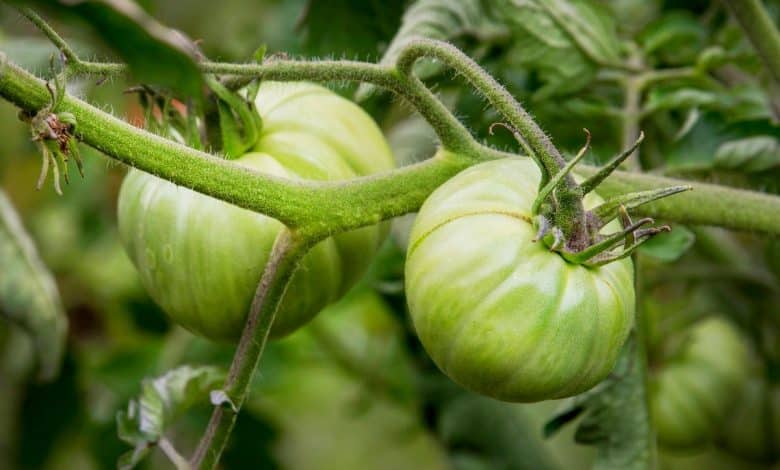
x: 760, y: 30
x: 331, y: 207
x: 318, y: 206
x: 287, y: 251
x: 705, y: 204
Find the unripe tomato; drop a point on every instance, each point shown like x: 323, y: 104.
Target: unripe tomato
x: 201, y: 259
x: 691, y: 394
x: 753, y: 428
x: 500, y: 314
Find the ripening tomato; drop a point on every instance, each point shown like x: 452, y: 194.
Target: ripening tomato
x: 692, y: 392
x: 753, y: 429
x: 501, y: 314
x: 201, y: 259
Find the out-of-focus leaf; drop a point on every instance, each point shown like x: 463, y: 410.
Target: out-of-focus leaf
x: 773, y: 255
x: 565, y: 42
x: 503, y: 436
x: 162, y: 401
x: 660, y: 99
x: 615, y: 418
x: 439, y: 19
x: 751, y: 154
x: 28, y: 293
x: 590, y: 28
x: 675, y: 38
x: 156, y: 54
x: 670, y: 246
x: 734, y: 104
x: 349, y: 27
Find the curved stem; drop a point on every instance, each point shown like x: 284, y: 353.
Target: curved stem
x: 74, y: 62
x: 493, y: 91
x: 453, y: 134
x: 333, y: 207
x: 570, y: 211
x: 287, y: 251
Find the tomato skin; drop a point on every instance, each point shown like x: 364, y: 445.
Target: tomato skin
x: 200, y: 258
x: 753, y: 428
x: 500, y: 314
x: 690, y: 396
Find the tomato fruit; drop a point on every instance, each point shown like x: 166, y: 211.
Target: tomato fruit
x: 201, y: 259
x: 691, y: 394
x: 500, y: 314
x: 753, y: 428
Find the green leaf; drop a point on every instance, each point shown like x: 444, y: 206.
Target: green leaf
x: 162, y: 401
x: 439, y: 19
x: 156, y: 54
x: 28, y: 292
x: 751, y: 154
x: 670, y: 246
x: 498, y: 432
x: 564, y: 42
x: 676, y: 38
x: 661, y: 99
x: 615, y: 418
x: 589, y: 27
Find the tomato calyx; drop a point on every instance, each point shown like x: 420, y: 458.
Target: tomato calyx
x: 566, y: 227
x: 54, y: 133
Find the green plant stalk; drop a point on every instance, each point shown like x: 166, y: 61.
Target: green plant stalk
x: 705, y: 204
x: 318, y: 206
x: 760, y: 30
x: 289, y: 248
x: 332, y: 207
x: 569, y: 213
x: 73, y: 61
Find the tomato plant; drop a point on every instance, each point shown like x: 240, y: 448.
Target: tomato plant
x: 753, y: 429
x: 201, y: 258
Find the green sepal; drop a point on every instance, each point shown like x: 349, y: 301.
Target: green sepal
x: 240, y: 123
x: 591, y: 183
x: 610, y: 208
x: 253, y: 88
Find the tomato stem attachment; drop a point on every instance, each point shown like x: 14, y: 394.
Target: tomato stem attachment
x: 557, y: 179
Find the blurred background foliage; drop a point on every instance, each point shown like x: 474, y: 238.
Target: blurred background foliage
x: 355, y: 389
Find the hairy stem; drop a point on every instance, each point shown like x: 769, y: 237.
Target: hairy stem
x: 760, y: 30
x: 453, y: 135
x: 333, y: 207
x: 285, y: 255
x: 73, y: 61
x: 705, y: 204
x: 569, y: 214
x: 493, y: 91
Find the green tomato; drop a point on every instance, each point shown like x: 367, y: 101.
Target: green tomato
x: 753, y: 428
x: 499, y: 313
x: 200, y: 258
x: 691, y: 394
